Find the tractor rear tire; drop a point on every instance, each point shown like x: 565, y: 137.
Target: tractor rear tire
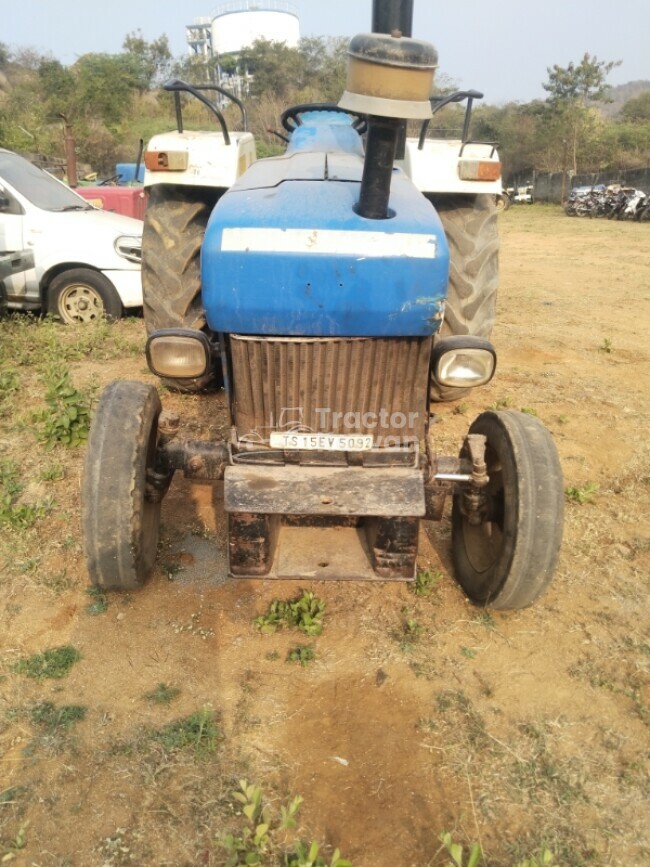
x: 120, y: 517
x: 470, y: 224
x: 174, y: 227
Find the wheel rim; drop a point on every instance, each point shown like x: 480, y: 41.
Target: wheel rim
x: 484, y: 542
x: 80, y: 303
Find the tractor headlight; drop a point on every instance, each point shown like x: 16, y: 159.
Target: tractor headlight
x: 463, y: 362
x: 179, y: 353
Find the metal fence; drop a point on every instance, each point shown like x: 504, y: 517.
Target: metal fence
x: 552, y: 187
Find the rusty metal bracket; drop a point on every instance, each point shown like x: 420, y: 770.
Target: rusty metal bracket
x: 474, y: 499
x: 198, y: 460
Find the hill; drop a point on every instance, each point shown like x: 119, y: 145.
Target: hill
x: 620, y: 94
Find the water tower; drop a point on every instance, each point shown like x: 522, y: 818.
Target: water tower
x: 238, y: 24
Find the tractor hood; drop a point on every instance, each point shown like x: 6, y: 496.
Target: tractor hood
x: 327, y: 271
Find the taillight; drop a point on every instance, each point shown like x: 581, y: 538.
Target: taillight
x: 166, y: 161
x: 479, y: 170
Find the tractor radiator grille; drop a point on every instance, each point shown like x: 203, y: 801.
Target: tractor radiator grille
x: 376, y: 386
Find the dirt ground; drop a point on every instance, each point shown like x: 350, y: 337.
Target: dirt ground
x: 418, y: 715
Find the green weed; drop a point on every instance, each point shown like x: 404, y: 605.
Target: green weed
x: 15, y: 846
x: 425, y: 583
x: 582, y: 494
x: 53, y: 473
x: 607, y: 346
x: 409, y: 632
x: 475, y: 856
x: 457, y: 852
x: 66, y: 420
x: 302, y: 654
x: 54, y: 663
x: 305, y: 613
x: 162, y: 694
x: 528, y: 410
x: 266, y: 836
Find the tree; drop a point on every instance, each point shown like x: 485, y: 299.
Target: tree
x: 275, y: 68
x: 584, y: 83
x: 637, y: 109
x: 151, y: 61
x: 572, y: 89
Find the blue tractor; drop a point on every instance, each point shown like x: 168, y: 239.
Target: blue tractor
x: 314, y: 288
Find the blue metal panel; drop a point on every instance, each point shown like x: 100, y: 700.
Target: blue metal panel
x: 325, y: 131
x: 291, y: 257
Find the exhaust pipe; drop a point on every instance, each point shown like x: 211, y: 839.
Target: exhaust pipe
x: 391, y: 15
x: 389, y: 79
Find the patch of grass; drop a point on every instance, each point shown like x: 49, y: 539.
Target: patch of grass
x: 53, y: 473
x: 484, y: 618
x: 99, y: 605
x: 48, y: 716
x: 14, y: 513
x: 607, y: 346
x: 53, y: 663
x: 198, y: 732
x: 409, y: 632
x: 528, y: 410
x: 425, y: 583
x: 302, y: 654
x: 162, y: 694
x: 11, y: 795
x: 581, y: 494
x: 58, y: 582
x: 304, y: 613
x: 457, y: 710
x: 542, y: 774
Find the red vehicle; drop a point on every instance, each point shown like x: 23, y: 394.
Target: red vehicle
x: 129, y: 201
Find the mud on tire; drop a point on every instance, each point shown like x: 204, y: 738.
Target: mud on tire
x: 470, y: 224
x: 174, y: 226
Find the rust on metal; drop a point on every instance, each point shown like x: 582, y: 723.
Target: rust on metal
x: 289, y: 490
x: 340, y: 385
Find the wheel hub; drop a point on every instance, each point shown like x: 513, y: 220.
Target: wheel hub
x: 81, y: 303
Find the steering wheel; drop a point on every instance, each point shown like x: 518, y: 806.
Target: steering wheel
x: 291, y: 117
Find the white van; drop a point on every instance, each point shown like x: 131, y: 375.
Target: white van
x: 87, y: 261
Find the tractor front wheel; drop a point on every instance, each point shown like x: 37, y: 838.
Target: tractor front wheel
x: 505, y: 554
x: 470, y: 224
x: 120, y: 510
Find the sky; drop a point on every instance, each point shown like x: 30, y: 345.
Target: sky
x: 500, y: 47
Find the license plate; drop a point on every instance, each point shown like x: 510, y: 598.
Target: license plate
x: 322, y: 442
